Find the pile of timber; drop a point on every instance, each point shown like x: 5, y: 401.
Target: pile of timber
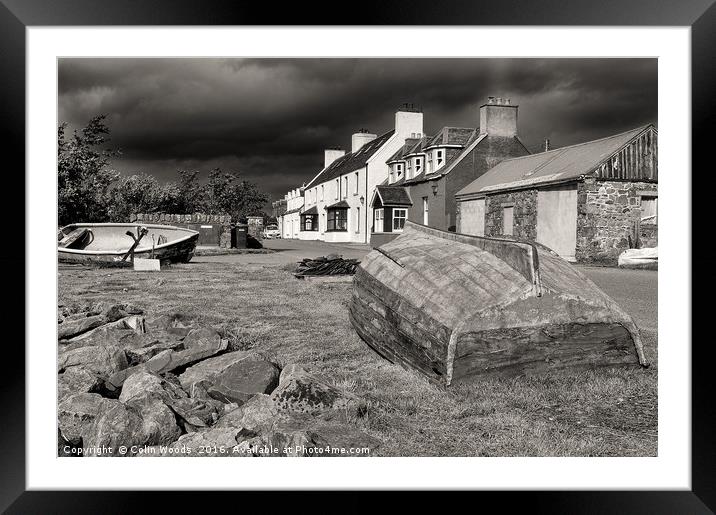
x: 332, y: 264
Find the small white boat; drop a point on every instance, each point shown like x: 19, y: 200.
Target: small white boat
x: 119, y: 243
x: 639, y: 258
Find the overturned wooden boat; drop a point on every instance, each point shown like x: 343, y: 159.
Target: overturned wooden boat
x: 455, y: 307
x: 118, y: 244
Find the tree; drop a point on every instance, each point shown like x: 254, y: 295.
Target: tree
x: 139, y: 193
x: 83, y: 176
x: 225, y: 193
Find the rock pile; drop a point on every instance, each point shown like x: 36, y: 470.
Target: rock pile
x: 165, y: 386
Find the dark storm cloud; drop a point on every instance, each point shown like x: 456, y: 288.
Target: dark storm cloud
x: 270, y: 119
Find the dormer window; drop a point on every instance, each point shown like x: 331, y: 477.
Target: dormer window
x: 439, y: 158
x: 418, y: 165
x: 409, y: 171
x: 429, y: 164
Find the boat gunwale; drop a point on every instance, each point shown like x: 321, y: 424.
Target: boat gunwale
x: 192, y: 234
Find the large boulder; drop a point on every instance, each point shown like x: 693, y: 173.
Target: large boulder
x: 257, y: 414
x: 239, y: 382
x: 170, y: 360
x: 77, y: 325
x: 71, y: 328
x: 145, y: 421
x: 102, y: 361
x: 207, y: 370
x: 174, y: 324
x: 76, y: 380
x: 76, y: 415
x: 194, y: 413
x: 301, y: 392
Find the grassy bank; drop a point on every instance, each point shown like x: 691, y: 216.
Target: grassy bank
x: 600, y: 413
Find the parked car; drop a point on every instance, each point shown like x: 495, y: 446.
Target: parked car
x: 271, y: 231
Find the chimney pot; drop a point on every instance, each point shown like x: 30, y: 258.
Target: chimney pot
x: 546, y: 144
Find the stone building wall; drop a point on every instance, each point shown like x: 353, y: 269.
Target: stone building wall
x: 256, y: 226
x: 524, y: 215
x: 608, y: 219
x: 187, y: 221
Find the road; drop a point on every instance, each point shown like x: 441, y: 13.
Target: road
x: 634, y: 290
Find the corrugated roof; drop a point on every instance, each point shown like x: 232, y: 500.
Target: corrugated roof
x: 351, y: 162
x: 394, y: 196
x: 555, y: 165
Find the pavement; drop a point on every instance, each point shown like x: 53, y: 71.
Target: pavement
x: 634, y: 290
x: 290, y: 251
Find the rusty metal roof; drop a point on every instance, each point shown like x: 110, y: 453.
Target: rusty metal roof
x: 556, y: 165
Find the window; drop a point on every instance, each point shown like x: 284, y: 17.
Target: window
x: 399, y: 216
x: 425, y: 210
x: 392, y: 175
x: 429, y: 165
x: 345, y: 187
x: 418, y: 165
x: 507, y: 220
x: 439, y: 158
x: 338, y: 188
x: 337, y: 220
x: 378, y: 220
x: 322, y: 191
x: 648, y: 209
x: 309, y: 222
x: 356, y: 191
x: 357, y: 219
x: 409, y: 171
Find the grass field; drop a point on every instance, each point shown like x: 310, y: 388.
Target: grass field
x: 611, y: 412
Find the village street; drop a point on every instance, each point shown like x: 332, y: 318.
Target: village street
x: 634, y: 290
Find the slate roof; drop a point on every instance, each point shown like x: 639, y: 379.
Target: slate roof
x: 295, y: 210
x: 339, y: 205
x: 404, y: 150
x: 558, y: 165
x: 474, y: 135
x: 311, y: 211
x: 350, y: 162
x: 451, y: 136
x: 394, y: 196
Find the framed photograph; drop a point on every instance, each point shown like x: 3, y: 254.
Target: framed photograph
x: 427, y: 239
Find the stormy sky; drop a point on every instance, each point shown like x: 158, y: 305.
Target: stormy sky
x: 270, y: 119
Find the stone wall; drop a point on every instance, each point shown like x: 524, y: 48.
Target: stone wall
x: 608, y: 219
x: 525, y: 213
x: 187, y: 220
x: 256, y: 226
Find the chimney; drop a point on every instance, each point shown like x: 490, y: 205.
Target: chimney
x: 360, y: 138
x: 408, y: 121
x: 546, y: 145
x: 331, y: 154
x: 498, y: 117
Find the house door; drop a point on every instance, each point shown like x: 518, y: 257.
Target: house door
x: 557, y: 220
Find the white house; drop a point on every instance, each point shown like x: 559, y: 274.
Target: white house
x: 336, y: 200
x: 289, y: 222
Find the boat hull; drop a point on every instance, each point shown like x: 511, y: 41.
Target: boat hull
x: 179, y: 249
x: 456, y: 308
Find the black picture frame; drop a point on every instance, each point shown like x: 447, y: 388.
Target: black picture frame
x: 17, y: 15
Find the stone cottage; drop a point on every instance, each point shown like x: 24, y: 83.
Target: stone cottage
x: 431, y: 170
x: 587, y: 202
